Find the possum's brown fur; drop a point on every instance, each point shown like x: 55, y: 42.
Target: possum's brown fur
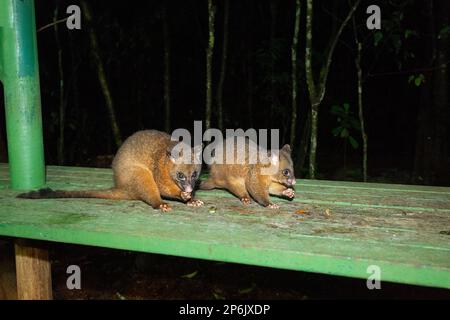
x: 245, y: 180
x: 143, y: 170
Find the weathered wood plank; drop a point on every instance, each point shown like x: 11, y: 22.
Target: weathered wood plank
x: 340, y: 229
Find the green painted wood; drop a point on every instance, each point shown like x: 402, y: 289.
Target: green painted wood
x: 19, y: 72
x: 346, y: 228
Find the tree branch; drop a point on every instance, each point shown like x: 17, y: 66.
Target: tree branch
x: 326, y: 67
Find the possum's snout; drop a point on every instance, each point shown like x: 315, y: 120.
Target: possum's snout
x: 291, y: 182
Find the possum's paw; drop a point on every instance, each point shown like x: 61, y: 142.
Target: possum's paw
x: 289, y: 192
x: 186, y: 195
x: 246, y: 200
x: 164, y: 207
x: 273, y: 206
x: 195, y: 203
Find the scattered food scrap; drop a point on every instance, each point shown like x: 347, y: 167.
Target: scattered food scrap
x: 190, y: 275
x: 121, y: 297
x: 212, y: 209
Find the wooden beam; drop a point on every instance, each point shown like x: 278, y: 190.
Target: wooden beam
x: 8, y: 289
x: 33, y: 271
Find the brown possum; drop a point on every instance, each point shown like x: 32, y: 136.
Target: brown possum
x: 247, y: 180
x: 144, y: 169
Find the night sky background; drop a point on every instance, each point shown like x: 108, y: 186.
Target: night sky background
x: 400, y: 63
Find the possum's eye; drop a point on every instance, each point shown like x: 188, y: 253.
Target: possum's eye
x: 194, y: 175
x: 181, y: 176
x: 286, y: 172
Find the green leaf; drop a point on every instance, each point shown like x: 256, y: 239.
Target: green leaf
x: 336, y: 109
x: 353, y: 142
x: 190, y: 275
x: 409, y: 33
x: 346, y: 107
x: 355, y: 124
x: 336, y: 131
x: 377, y: 37
x: 397, y: 42
x: 444, y: 32
x: 419, y: 80
x: 344, y: 133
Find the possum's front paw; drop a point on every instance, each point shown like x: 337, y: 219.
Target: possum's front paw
x: 164, y: 207
x: 273, y: 206
x: 289, y: 192
x: 186, y: 195
x: 246, y: 200
x: 195, y: 203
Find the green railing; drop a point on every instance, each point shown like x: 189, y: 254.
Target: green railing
x: 19, y: 73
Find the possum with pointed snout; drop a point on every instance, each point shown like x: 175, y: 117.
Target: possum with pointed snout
x: 146, y: 169
x: 249, y: 179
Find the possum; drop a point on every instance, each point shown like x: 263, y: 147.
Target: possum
x: 247, y: 180
x: 144, y: 169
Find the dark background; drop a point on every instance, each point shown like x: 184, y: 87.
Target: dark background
x: 401, y: 117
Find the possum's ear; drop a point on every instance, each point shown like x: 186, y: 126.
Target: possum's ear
x: 173, y: 152
x: 274, y: 158
x: 197, y: 150
x: 286, y: 148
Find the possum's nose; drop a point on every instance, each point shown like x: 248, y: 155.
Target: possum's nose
x: 188, y: 188
x: 291, y: 181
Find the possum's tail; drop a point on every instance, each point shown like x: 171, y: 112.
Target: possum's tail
x: 207, y: 184
x: 47, y: 193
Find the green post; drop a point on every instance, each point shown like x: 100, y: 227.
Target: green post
x: 19, y: 72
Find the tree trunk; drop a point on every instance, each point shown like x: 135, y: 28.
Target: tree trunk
x: 249, y: 65
x: 431, y: 150
x: 167, y: 107
x: 360, y: 111
x: 62, y: 104
x: 313, y: 139
x: 360, y: 99
x: 304, y: 143
x: 250, y: 90
x: 273, y: 24
x: 441, y: 114
x: 294, y: 73
x: 73, y: 99
x: 317, y: 92
x: 98, y: 62
x: 223, y: 65
x: 311, y: 89
x: 209, y: 56
x: 423, y: 146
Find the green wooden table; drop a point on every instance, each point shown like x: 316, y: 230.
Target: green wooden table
x: 338, y: 228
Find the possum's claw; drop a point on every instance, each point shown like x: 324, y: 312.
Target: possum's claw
x: 195, y: 203
x: 289, y: 192
x: 186, y: 195
x: 165, y: 207
x: 273, y: 206
x: 246, y: 200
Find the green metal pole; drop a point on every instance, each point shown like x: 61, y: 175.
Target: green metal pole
x: 19, y: 72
